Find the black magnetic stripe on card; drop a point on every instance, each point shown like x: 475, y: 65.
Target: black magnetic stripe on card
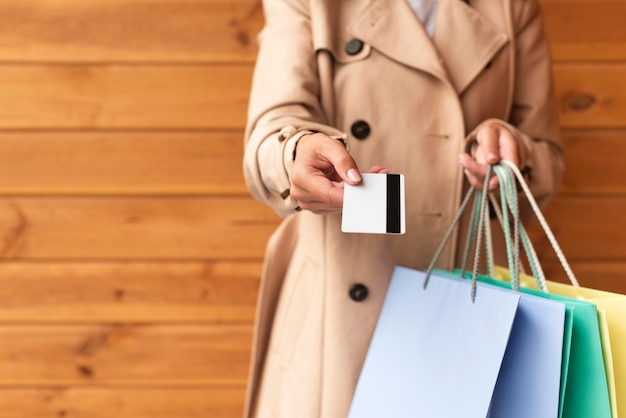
x: 393, y: 204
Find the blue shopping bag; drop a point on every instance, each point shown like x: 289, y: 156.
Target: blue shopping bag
x: 433, y: 345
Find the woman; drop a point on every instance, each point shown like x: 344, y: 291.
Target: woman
x: 384, y: 85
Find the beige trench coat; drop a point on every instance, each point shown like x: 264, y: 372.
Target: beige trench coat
x: 324, y: 65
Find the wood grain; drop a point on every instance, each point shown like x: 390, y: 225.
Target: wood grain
x: 594, y: 162
x: 81, y: 402
x: 588, y: 228
x: 133, y: 292
x: 111, y: 96
x: 586, y: 30
x: 591, y: 95
x: 150, y: 228
x: 122, y: 163
x: 607, y: 276
x: 130, y: 31
x: 124, y: 355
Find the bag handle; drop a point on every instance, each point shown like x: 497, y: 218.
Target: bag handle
x: 482, y: 198
x: 479, y: 229
x: 533, y: 203
x: 509, y: 198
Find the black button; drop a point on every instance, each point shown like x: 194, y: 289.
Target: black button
x: 354, y: 46
x: 358, y: 292
x: 360, y: 129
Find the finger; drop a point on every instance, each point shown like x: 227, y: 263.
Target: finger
x: 488, y: 151
x: 343, y: 164
x: 311, y: 188
x: 332, y: 203
x: 509, y: 147
x: 476, y: 172
x: 330, y: 156
x: 378, y: 169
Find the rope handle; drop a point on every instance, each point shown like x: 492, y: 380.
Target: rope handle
x: 507, y: 172
x: 481, y: 204
x: 510, y: 201
x: 542, y: 221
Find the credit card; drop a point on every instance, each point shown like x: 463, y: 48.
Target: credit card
x: 375, y: 206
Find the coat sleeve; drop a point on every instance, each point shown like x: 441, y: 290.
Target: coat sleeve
x: 534, y: 117
x: 534, y: 111
x: 284, y: 102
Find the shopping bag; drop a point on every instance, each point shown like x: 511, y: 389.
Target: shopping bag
x: 531, y: 368
x: 587, y: 384
x: 586, y: 391
x: 434, y: 352
x: 613, y: 338
x: 607, y: 351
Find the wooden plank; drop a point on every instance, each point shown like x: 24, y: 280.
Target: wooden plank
x: 227, y: 228
x: 586, y: 30
x: 164, y: 163
x: 109, y: 228
x: 587, y: 229
x: 124, y: 97
x: 130, y: 31
x: 79, y: 402
x: 609, y: 276
x: 215, y: 97
x: 160, y: 292
x: 177, y: 31
x: 184, y: 163
x: 594, y: 162
x: 124, y: 355
x: 591, y: 95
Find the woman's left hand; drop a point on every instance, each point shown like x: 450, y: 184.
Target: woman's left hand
x: 494, y: 142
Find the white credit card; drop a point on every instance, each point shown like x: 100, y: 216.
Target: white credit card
x: 375, y: 206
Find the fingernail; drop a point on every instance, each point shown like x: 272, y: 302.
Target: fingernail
x: 385, y: 171
x: 354, y: 175
x: 492, y: 157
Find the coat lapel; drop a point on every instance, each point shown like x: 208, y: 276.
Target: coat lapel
x: 391, y: 27
x: 464, y: 41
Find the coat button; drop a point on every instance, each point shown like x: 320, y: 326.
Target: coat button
x: 358, y: 292
x: 354, y: 46
x: 360, y: 129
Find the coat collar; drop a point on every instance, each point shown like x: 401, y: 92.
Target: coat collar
x: 464, y: 41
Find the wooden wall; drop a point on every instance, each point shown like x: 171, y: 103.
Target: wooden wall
x: 131, y: 250
x: 588, y: 39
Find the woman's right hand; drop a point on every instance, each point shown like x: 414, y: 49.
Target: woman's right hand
x: 321, y: 166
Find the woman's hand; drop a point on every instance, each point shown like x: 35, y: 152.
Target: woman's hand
x: 494, y: 142
x: 321, y: 167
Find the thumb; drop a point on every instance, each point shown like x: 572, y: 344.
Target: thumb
x: 327, y: 151
x: 344, y: 165
x: 348, y: 170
